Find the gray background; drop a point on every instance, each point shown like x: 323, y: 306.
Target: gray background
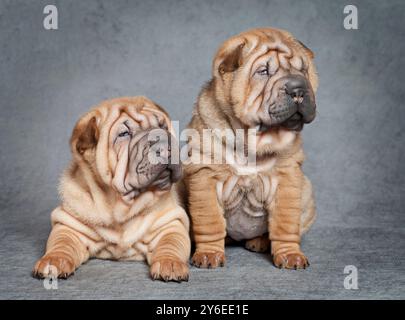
x: 163, y: 49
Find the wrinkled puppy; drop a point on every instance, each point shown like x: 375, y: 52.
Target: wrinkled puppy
x: 263, y: 80
x: 118, y: 198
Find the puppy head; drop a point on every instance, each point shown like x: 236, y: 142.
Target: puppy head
x: 128, y: 144
x: 268, y: 80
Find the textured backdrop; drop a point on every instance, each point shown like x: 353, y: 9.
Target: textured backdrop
x: 163, y: 49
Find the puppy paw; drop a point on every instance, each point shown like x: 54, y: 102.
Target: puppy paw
x: 169, y: 270
x: 295, y: 260
x: 208, y: 259
x: 259, y: 244
x: 59, y: 266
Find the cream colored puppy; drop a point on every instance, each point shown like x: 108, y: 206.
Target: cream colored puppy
x: 117, y: 200
x: 264, y: 80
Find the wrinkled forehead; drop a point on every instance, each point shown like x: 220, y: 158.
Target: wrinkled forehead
x: 276, y: 47
x: 272, y: 40
x: 139, y: 116
x: 279, y: 47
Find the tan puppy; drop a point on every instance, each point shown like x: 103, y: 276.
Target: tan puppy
x: 263, y: 80
x: 117, y: 203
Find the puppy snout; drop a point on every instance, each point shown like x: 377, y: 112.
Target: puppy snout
x: 296, y: 87
x: 295, y: 103
x: 298, y: 95
x: 165, y: 156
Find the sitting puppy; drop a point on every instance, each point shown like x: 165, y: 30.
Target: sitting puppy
x: 117, y: 200
x: 264, y: 80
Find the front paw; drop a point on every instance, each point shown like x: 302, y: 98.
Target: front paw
x: 208, y: 259
x: 294, y: 260
x: 169, y: 270
x: 59, y: 266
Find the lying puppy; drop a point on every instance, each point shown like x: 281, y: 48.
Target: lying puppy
x: 263, y: 79
x: 118, y: 202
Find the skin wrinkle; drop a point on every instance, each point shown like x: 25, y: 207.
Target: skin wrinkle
x: 102, y: 152
x: 247, y: 71
x: 255, y: 95
x: 146, y: 120
x: 121, y: 168
x: 134, y: 150
x: 268, y: 194
x: 142, y: 162
x: 269, y: 94
x: 115, y: 125
x: 253, y: 69
x: 162, y: 119
x: 261, y: 61
x: 131, y: 148
x: 296, y: 63
x: 97, y: 221
x: 65, y: 218
x: 282, y: 57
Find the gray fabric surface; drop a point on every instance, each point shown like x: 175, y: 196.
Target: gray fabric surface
x: 377, y: 253
x: 163, y: 49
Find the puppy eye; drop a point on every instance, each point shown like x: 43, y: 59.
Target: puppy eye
x: 124, y: 133
x: 263, y: 72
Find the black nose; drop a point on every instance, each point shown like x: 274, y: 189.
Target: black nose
x: 296, y: 87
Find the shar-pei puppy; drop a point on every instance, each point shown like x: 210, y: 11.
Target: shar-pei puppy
x: 262, y: 86
x: 118, y: 198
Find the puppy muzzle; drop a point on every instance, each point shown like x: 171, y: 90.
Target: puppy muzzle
x: 154, y: 160
x: 295, y: 103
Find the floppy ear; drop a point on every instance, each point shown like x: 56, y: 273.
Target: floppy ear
x: 229, y: 60
x: 307, y: 50
x: 85, y: 134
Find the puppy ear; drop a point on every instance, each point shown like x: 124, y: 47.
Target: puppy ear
x: 85, y: 134
x: 229, y: 60
x: 307, y: 50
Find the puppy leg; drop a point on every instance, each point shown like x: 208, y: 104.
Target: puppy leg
x: 285, y: 219
x: 208, y: 221
x: 259, y: 244
x: 169, y: 260
x: 64, y: 254
x: 308, y: 204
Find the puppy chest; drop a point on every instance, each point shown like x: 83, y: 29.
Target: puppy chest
x: 245, y: 200
x: 117, y: 252
x: 121, y: 250
x: 124, y: 242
